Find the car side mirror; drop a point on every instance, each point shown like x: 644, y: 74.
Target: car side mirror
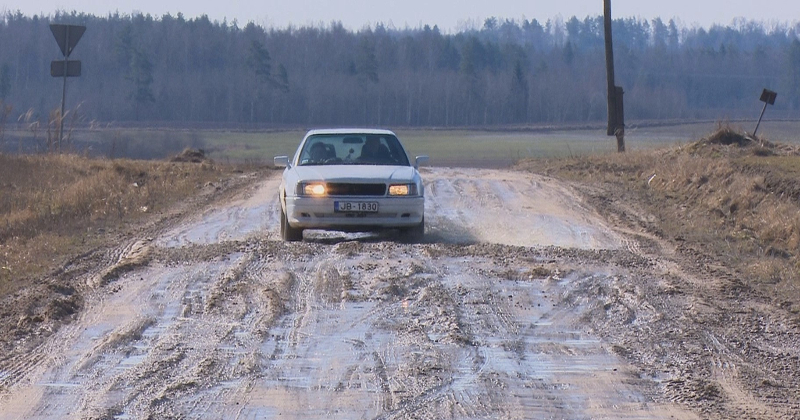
x: 421, y: 160
x: 281, y: 161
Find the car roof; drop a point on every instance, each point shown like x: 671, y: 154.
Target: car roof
x: 349, y: 131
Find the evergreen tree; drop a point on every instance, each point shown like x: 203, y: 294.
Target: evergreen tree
x: 367, y: 66
x: 518, y: 99
x: 282, y: 78
x: 260, y: 62
x: 794, y: 74
x: 568, y: 53
x: 141, y: 77
x: 5, y: 81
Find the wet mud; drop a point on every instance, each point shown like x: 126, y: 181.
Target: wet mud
x: 520, y: 303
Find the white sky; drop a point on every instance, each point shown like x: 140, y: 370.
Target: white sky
x: 450, y: 15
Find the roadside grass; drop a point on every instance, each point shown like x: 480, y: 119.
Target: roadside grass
x: 723, y: 195
x: 55, y: 206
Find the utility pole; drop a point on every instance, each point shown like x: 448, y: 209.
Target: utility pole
x: 616, y: 113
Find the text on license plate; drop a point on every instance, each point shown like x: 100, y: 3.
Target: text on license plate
x: 356, y: 206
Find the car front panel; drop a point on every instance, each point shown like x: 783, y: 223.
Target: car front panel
x: 319, y: 212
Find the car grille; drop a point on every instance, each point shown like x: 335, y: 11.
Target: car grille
x: 356, y: 189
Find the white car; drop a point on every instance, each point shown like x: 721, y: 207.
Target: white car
x: 352, y: 180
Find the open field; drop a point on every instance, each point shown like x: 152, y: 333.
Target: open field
x: 481, y: 148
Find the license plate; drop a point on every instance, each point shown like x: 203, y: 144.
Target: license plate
x: 356, y: 206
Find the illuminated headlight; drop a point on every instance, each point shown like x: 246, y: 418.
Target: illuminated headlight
x: 403, y: 189
x: 311, y: 188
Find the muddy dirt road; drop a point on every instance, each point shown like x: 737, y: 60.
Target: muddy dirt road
x: 523, y: 303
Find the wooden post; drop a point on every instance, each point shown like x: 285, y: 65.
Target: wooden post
x: 619, y: 114
x: 616, y: 119
x: 612, y: 120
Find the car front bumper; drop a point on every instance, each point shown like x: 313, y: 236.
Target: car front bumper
x: 318, y: 213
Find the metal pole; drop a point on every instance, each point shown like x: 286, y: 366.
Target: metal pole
x: 63, y: 94
x: 760, y: 117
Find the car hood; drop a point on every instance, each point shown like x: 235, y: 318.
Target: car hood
x: 355, y: 173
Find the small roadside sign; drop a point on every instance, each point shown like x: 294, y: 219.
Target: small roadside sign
x: 72, y: 68
x: 67, y: 36
x: 768, y: 96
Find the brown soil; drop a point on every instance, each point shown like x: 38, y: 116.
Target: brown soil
x: 191, y: 156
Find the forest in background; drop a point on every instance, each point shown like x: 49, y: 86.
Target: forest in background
x: 169, y: 69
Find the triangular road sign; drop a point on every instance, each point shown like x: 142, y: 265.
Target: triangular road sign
x: 67, y: 36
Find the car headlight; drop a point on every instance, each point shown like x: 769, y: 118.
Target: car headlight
x: 316, y: 189
x: 403, y: 189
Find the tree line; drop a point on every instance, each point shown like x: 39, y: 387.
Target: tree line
x: 172, y: 69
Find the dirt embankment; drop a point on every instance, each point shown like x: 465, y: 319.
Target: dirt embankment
x: 726, y: 200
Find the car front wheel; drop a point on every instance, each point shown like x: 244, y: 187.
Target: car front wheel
x: 288, y: 233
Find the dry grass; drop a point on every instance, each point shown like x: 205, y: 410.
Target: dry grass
x: 734, y: 198
x: 53, y: 206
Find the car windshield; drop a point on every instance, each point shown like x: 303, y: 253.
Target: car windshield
x: 353, y: 149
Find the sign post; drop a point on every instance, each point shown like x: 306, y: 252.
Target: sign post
x: 67, y: 37
x: 768, y: 97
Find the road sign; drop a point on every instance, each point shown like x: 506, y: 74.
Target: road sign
x: 67, y: 36
x: 73, y: 68
x: 768, y: 96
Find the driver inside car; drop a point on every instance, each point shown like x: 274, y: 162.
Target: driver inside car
x: 318, y: 152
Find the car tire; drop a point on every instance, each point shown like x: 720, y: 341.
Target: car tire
x: 414, y: 233
x: 288, y: 233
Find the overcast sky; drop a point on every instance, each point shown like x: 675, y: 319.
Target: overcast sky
x: 450, y: 15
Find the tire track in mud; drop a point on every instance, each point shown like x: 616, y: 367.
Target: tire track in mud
x: 222, y: 321
x: 185, y: 334
x: 247, y: 217
x: 410, y: 351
